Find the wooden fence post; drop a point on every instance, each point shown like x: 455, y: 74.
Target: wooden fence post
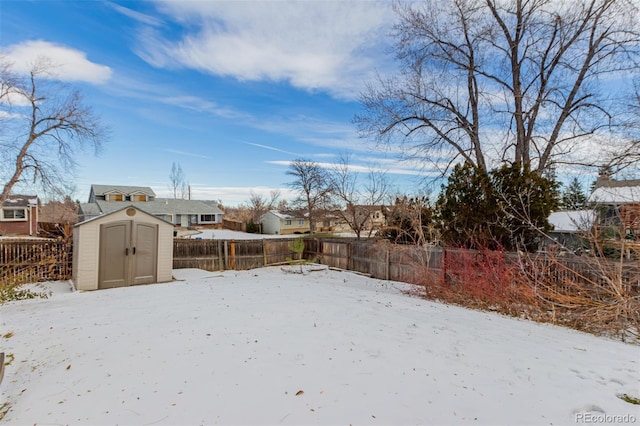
x: 264, y: 252
x: 233, y: 255
x: 387, y: 273
x: 220, y: 256
x: 226, y: 255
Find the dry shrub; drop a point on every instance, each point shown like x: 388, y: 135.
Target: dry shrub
x: 589, y: 294
x: 10, y: 287
x: 592, y: 294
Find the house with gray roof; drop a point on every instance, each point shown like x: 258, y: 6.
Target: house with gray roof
x: 104, y: 199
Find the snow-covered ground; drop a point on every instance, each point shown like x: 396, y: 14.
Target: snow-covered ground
x: 227, y: 234
x: 327, y: 347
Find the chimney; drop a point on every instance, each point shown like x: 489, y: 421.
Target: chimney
x: 603, y: 176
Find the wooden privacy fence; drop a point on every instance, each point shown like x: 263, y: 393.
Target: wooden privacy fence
x: 24, y: 261
x: 380, y: 260
x: 218, y: 255
x: 410, y: 264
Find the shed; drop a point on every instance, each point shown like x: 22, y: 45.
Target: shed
x: 122, y: 248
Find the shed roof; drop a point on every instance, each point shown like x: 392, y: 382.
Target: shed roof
x: 124, y: 206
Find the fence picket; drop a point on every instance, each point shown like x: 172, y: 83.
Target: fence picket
x: 23, y: 261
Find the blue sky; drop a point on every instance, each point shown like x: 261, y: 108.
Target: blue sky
x: 231, y: 91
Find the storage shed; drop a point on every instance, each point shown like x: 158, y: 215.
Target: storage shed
x: 125, y: 247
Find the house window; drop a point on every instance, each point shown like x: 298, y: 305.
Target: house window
x: 300, y: 222
x: 207, y: 218
x: 14, y: 214
x: 116, y: 197
x: 139, y: 197
x: 287, y: 222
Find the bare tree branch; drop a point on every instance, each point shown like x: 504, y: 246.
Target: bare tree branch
x: 45, y: 123
x: 520, y: 78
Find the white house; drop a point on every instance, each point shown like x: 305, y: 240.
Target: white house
x: 277, y: 223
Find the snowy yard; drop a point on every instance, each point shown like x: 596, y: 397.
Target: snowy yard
x: 269, y: 347
x: 226, y: 234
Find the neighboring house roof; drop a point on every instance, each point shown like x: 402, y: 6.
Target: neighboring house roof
x: 616, y: 195
x: 612, y: 191
x: 572, y: 221
x: 89, y: 209
x: 212, y: 203
x: 159, y: 206
x: 21, y: 201
x: 121, y: 189
x: 614, y: 183
x: 285, y: 216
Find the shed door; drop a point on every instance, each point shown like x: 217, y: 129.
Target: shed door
x: 145, y: 253
x: 128, y: 254
x: 115, y: 239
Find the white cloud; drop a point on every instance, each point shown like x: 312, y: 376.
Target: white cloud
x: 136, y: 16
x: 399, y: 168
x: 9, y: 115
x: 271, y: 148
x: 314, y: 45
x: 67, y: 64
x: 14, y: 98
x: 186, y: 154
x: 229, y: 195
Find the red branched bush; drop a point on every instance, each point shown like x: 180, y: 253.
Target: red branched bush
x: 482, y: 279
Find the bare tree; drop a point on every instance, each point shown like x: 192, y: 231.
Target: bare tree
x: 259, y: 205
x: 8, y: 79
x: 357, y: 203
x: 312, y: 184
x: 470, y: 69
x: 628, y: 157
x: 44, y: 122
x: 178, y: 185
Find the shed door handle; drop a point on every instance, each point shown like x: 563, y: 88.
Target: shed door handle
x: 126, y: 251
x: 134, y: 250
